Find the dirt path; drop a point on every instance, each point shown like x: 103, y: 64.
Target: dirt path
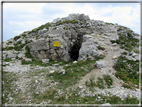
x: 109, y: 61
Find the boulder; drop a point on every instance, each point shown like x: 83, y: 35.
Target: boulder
x: 137, y: 57
x: 51, y: 72
x: 105, y: 105
x: 45, y: 61
x: 11, y: 55
x: 80, y: 17
x: 56, y: 20
x: 100, y: 64
x: 28, y: 59
x: 62, y: 71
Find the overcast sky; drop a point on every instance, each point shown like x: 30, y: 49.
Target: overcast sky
x: 20, y: 17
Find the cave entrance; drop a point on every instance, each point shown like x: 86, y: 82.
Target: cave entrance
x: 74, y: 53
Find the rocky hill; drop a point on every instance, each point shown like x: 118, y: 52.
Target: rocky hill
x: 93, y: 57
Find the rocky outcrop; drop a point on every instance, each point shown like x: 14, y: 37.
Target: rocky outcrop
x: 77, y: 33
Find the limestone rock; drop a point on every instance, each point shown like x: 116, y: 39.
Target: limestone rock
x: 62, y: 71
x: 45, y: 61
x: 105, y: 105
x: 28, y: 59
x: 11, y: 55
x: 51, y: 72
x: 56, y: 20
x: 80, y: 17
x: 100, y: 64
x: 137, y: 57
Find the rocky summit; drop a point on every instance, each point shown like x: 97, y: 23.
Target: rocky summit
x: 77, y: 33
x: 74, y: 54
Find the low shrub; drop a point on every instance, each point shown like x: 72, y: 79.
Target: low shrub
x: 101, y: 48
x: 16, y: 38
x: 108, y: 80
x: 27, y: 53
x: 127, y: 71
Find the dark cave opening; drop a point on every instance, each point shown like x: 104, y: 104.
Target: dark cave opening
x: 74, y: 53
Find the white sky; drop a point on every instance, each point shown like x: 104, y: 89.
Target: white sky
x: 19, y: 17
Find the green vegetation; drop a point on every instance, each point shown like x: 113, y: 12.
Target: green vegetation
x: 73, y: 73
x: 54, y: 28
x: 16, y: 38
x: 124, y: 53
x: 46, y: 36
x: 27, y: 53
x: 127, y: 43
x: 37, y: 37
x: 127, y: 71
x: 74, y: 98
x: 8, y: 48
x: 108, y: 80
x: 8, y: 60
x: 91, y: 83
x: 10, y: 42
x: 47, y: 25
x: 100, y: 83
x: 127, y: 86
x: 9, y: 87
x: 66, y: 21
x: 18, y: 46
x: 101, y: 48
x: 23, y: 35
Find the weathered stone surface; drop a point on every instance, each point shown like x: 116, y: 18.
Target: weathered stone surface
x: 137, y: 57
x: 11, y: 55
x: 56, y: 20
x: 45, y: 61
x: 100, y: 64
x: 51, y: 72
x: 62, y: 71
x: 105, y: 105
x: 28, y: 59
x: 80, y: 17
x: 88, y: 48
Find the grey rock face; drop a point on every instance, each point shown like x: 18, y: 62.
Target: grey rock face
x: 45, y: 61
x: 80, y: 17
x: 82, y: 37
x: 100, y: 64
x: 56, y: 20
x: 88, y: 48
x: 28, y: 59
x: 11, y: 55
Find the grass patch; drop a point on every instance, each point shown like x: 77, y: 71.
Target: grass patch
x: 8, y: 87
x: 108, y: 80
x: 73, y: 73
x: 127, y: 71
x: 127, y: 86
x: 101, y: 48
x: 23, y: 35
x: 100, y: 83
x: 8, y: 48
x: 16, y: 38
x: 37, y: 37
x: 27, y: 53
x: 67, y: 21
x: 46, y: 36
x: 90, y: 83
x: 8, y: 60
x: 127, y: 43
x: 54, y: 28
x: 47, y: 25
